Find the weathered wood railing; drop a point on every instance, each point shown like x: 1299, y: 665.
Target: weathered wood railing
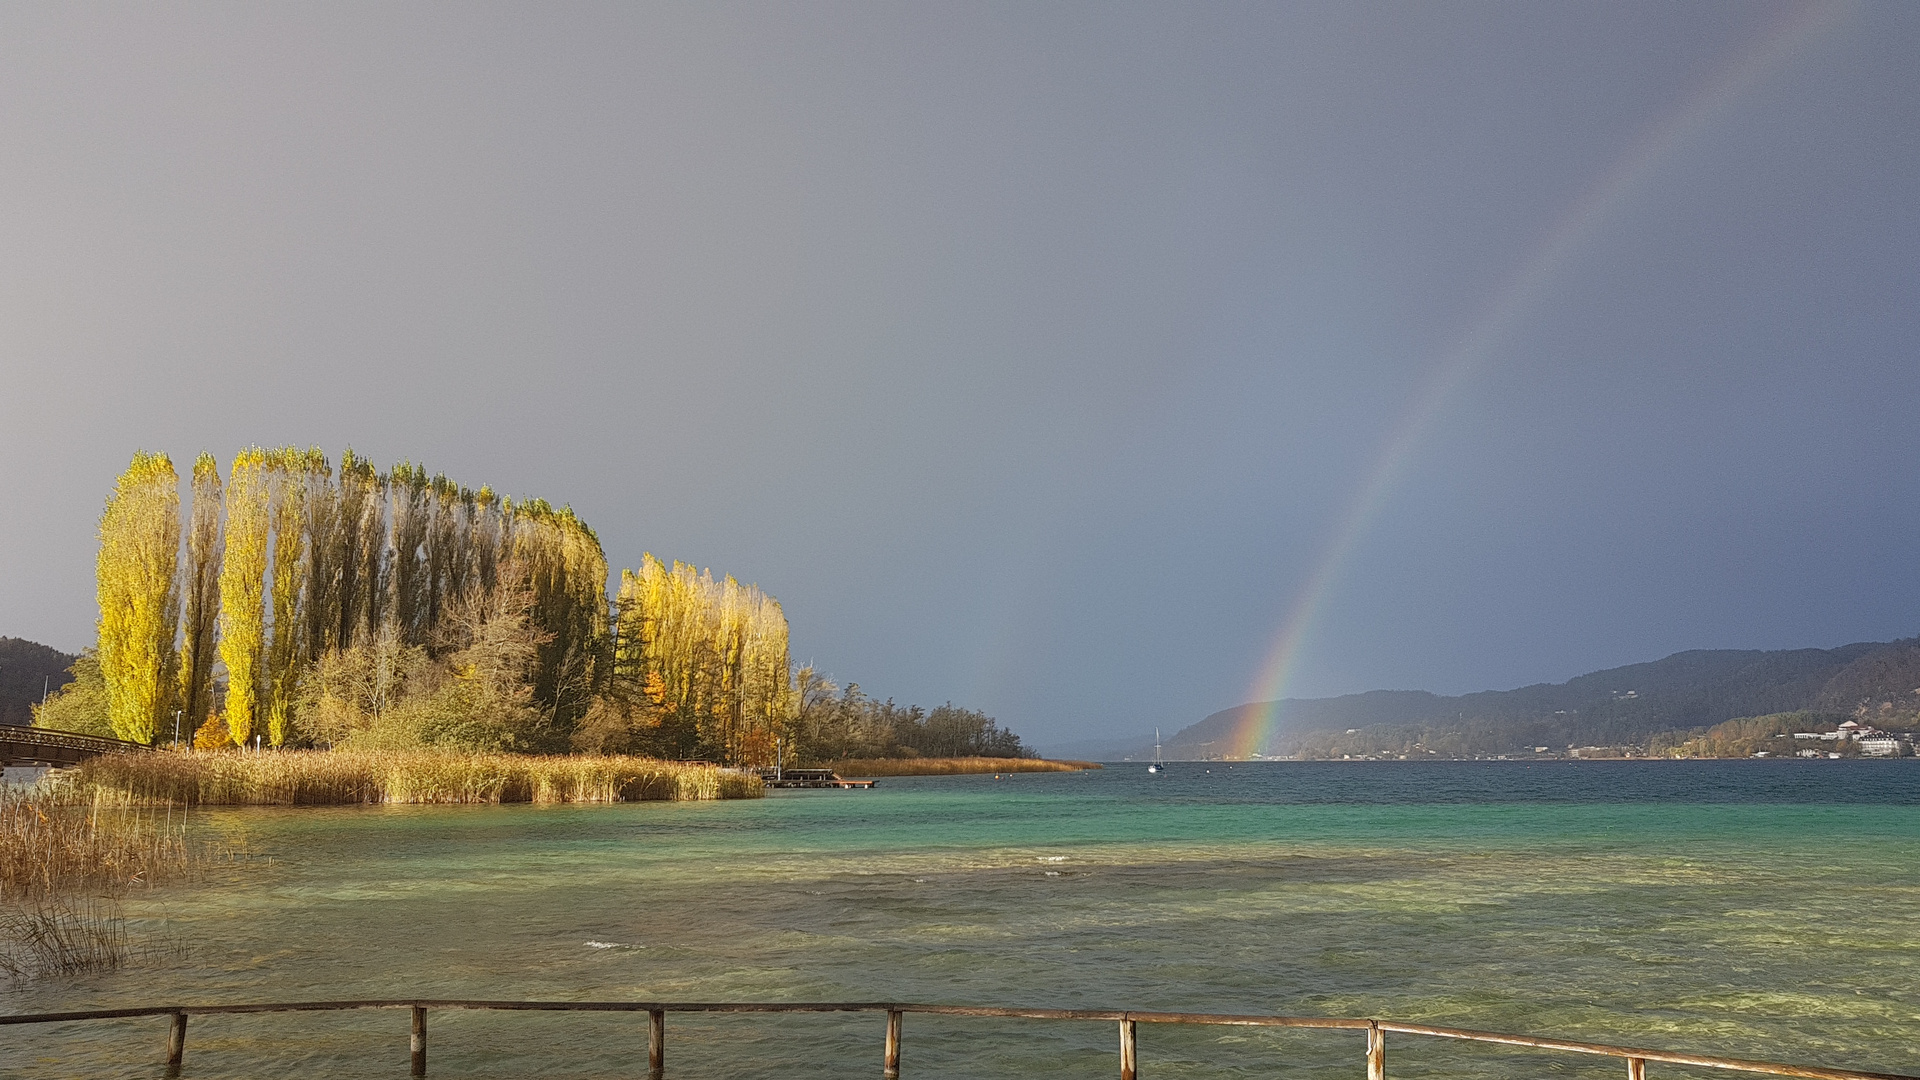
x: 1636, y: 1058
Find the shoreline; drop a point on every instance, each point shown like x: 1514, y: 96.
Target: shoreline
x: 962, y: 766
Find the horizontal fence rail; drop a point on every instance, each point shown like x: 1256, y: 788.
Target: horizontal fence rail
x: 1636, y: 1058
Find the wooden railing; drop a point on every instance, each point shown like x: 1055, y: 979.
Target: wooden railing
x: 1635, y: 1058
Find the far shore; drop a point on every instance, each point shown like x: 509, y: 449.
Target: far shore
x: 953, y: 766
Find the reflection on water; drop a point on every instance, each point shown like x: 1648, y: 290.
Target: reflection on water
x: 1767, y: 909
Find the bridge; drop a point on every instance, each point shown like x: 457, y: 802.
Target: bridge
x: 45, y: 746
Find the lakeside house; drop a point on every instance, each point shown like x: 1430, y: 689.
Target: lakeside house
x: 1882, y: 744
x: 1869, y: 740
x: 1850, y: 729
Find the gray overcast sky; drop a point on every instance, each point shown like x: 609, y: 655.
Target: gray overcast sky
x: 1031, y: 354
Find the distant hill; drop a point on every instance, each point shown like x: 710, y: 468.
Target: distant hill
x: 1686, y: 692
x: 26, y: 669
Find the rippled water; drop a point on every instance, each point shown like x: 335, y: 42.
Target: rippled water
x: 1765, y: 909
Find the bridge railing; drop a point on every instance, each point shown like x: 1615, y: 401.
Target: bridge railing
x: 1635, y: 1059
x: 67, y: 740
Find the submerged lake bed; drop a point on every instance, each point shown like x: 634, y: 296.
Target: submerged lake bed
x: 1765, y: 909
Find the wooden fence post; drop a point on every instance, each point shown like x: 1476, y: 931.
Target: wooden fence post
x: 419, y: 1043
x: 1376, y: 1052
x: 176, y: 1043
x: 1636, y: 1068
x: 1129, y: 1062
x: 890, y: 1065
x: 656, y: 1044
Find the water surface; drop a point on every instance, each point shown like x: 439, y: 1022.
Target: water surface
x: 1760, y: 908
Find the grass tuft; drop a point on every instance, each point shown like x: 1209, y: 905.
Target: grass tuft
x: 47, y: 937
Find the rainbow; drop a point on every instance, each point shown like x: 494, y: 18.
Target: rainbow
x: 1792, y: 34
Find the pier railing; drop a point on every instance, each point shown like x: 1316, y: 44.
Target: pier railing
x: 1634, y: 1058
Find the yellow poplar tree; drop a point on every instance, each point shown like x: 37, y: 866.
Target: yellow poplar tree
x: 714, y: 654
x: 139, y: 596
x: 287, y: 486
x: 768, y: 703
x: 243, y: 573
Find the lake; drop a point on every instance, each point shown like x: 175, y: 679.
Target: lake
x: 1756, y: 908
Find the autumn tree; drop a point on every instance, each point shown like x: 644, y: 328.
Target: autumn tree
x: 81, y: 705
x: 712, y: 654
x: 325, y: 554
x: 564, y: 566
x: 243, y: 573
x: 139, y: 596
x: 767, y: 695
x: 361, y: 540
x: 354, y: 595
x: 287, y: 488
x: 409, y: 510
x: 201, y: 582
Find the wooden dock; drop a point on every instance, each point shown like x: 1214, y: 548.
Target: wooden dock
x: 808, y: 778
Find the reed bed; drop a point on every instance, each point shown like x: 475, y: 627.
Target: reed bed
x: 49, y: 846
x: 63, y: 866
x: 341, y: 777
x: 953, y: 766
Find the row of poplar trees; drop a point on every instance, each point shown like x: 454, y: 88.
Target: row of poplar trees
x: 709, y: 659
x: 289, y: 560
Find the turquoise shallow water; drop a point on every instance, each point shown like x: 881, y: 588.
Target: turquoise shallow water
x: 1765, y: 909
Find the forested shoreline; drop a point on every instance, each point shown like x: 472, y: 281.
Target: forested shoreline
x: 295, y: 605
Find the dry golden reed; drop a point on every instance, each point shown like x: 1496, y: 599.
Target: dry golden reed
x: 952, y: 766
x: 50, y: 847
x: 339, y: 777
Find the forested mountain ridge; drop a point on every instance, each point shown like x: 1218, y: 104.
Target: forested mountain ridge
x: 28, y: 669
x: 1686, y: 692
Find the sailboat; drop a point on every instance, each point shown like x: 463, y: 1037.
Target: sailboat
x: 1157, y: 766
